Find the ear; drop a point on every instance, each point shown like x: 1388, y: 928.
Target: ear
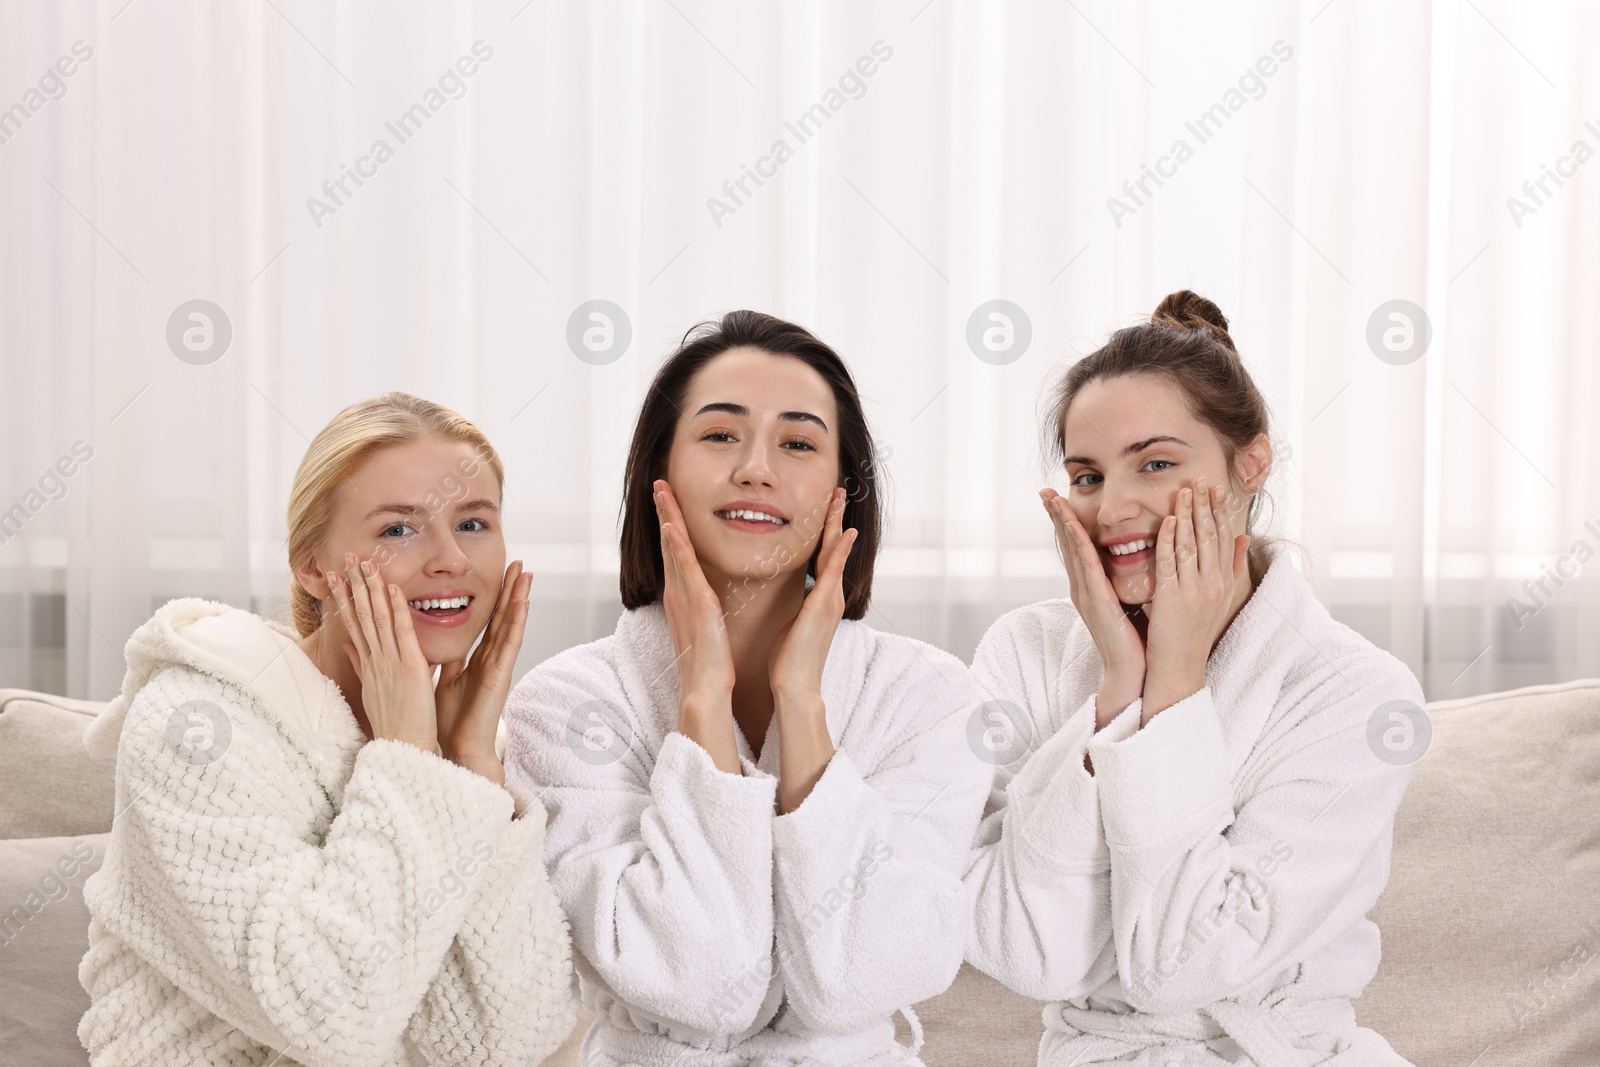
x: 311, y: 579
x: 1255, y: 463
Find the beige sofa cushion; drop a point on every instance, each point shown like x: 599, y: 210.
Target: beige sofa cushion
x: 44, y: 932
x: 51, y: 788
x: 1491, y: 919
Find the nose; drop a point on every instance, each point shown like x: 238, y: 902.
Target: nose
x: 753, y: 466
x: 1120, y: 505
x: 444, y: 553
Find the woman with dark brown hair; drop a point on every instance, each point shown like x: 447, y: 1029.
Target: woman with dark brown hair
x: 759, y: 806
x: 1195, y: 815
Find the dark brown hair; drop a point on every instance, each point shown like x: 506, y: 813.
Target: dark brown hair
x: 642, y: 569
x: 1187, y: 342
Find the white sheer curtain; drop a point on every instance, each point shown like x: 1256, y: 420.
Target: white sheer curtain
x: 961, y: 153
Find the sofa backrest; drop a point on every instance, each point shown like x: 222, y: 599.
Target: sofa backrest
x: 1491, y: 917
x: 49, y: 787
x: 1490, y: 922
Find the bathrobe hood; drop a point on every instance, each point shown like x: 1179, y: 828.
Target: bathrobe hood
x: 260, y: 657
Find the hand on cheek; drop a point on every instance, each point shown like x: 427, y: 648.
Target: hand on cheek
x: 1198, y: 563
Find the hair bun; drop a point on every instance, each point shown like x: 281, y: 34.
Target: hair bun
x: 1188, y: 310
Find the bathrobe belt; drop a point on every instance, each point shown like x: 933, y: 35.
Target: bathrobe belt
x: 1275, y: 1030
x: 764, y: 1048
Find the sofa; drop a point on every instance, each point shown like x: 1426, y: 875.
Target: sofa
x: 1490, y: 921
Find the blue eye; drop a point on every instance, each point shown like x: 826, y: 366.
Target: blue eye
x: 482, y: 526
x: 389, y: 530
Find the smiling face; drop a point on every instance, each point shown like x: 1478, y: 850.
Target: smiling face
x: 1131, y: 447
x: 758, y: 435
x: 428, y: 512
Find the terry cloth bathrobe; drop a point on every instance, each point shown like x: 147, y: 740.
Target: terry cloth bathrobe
x: 711, y: 931
x: 277, y: 889
x: 1214, y: 874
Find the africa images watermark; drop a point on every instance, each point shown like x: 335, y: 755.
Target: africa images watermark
x: 52, y: 87
x: 451, y: 86
x: 52, y: 486
x: 56, y: 885
x: 1202, y: 128
x: 1537, y: 190
x: 1566, y: 568
x: 803, y: 128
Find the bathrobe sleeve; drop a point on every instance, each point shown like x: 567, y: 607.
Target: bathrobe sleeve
x: 1040, y: 873
x: 663, y: 861
x: 506, y: 992
x: 872, y: 912
x: 323, y: 950
x: 1207, y: 899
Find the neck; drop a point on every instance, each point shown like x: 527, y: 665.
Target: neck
x: 324, y: 646
x: 755, y: 612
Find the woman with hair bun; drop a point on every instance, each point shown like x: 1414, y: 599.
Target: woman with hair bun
x: 1182, y: 855
x: 316, y: 857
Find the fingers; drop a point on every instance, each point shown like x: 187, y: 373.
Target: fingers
x: 510, y: 618
x: 1065, y: 542
x: 834, y: 559
x: 667, y: 503
x: 1224, y: 530
x: 361, y: 608
x: 1183, y: 537
x: 339, y: 590
x: 379, y: 599
x: 405, y: 635
x: 502, y: 601
x: 1207, y: 548
x: 1166, y: 552
x: 669, y: 547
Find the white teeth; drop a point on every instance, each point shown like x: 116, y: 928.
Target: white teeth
x: 449, y: 602
x: 1131, y: 546
x: 754, y: 516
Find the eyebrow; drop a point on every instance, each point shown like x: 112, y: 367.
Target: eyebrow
x: 743, y: 412
x: 1136, y: 447
x: 412, y: 509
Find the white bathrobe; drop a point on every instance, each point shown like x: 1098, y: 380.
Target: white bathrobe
x: 711, y: 930
x: 278, y: 889
x: 1225, y: 856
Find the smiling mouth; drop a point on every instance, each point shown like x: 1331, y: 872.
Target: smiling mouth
x: 747, y: 518
x: 445, y: 608
x: 1124, y: 558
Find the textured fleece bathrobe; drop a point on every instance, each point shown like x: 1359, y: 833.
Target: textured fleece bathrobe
x: 1214, y: 874
x: 710, y: 930
x: 277, y: 889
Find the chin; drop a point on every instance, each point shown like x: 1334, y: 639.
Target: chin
x: 1134, y: 588
x: 437, y: 649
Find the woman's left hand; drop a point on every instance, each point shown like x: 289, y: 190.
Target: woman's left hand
x: 1198, y: 563
x: 801, y: 648
x: 470, y: 696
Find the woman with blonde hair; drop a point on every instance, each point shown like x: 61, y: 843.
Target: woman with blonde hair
x: 316, y: 859
x: 1200, y: 767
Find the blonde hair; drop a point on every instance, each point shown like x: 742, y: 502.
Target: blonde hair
x: 349, y: 439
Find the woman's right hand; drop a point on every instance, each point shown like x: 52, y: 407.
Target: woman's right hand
x: 396, y: 681
x: 1121, y: 649
x: 694, y: 612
